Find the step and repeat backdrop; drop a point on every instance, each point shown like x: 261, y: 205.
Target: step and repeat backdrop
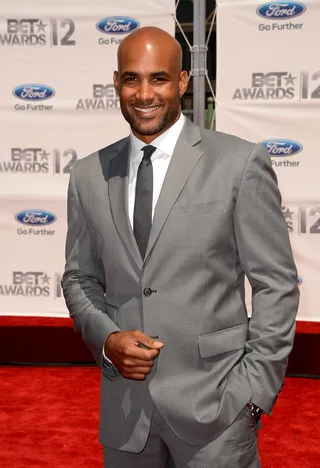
x: 268, y: 90
x: 57, y: 104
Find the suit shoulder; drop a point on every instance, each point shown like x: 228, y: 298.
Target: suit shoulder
x: 85, y: 164
x: 227, y: 142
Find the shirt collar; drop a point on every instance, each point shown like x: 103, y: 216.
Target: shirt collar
x: 165, y: 142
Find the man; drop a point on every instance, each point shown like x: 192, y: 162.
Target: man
x: 163, y: 227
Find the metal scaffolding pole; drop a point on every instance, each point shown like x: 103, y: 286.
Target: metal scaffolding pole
x: 199, y: 52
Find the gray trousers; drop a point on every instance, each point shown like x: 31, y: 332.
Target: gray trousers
x: 236, y: 447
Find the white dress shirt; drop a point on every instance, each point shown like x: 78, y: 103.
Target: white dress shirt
x: 165, y: 144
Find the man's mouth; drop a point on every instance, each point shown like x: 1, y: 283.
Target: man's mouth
x: 146, y: 110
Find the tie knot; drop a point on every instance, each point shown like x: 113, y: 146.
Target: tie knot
x: 148, y: 151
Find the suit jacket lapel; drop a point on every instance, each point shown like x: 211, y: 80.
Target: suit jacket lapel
x: 183, y: 161
x: 118, y: 197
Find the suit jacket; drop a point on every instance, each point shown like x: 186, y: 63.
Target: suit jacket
x: 218, y: 218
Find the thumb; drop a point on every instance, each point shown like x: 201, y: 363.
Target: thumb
x: 155, y: 343
x: 149, y: 341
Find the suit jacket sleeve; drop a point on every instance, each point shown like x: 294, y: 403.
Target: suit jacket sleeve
x: 266, y: 258
x: 83, y: 281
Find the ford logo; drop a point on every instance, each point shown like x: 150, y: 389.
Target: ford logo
x: 35, y: 217
x: 281, y: 10
x: 282, y: 148
x: 33, y: 92
x: 117, y: 25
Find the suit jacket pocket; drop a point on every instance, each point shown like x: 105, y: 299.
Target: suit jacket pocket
x: 199, y: 208
x: 223, y: 341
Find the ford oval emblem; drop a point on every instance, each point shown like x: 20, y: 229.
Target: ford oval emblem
x: 35, y: 217
x: 33, y: 92
x: 117, y: 25
x: 281, y: 10
x: 282, y: 148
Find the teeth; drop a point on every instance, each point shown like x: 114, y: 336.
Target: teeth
x: 146, y: 110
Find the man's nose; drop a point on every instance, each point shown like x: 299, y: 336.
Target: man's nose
x: 145, y: 92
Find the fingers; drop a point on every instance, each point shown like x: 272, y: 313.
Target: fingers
x: 133, y: 372
x: 137, y: 363
x: 125, y: 352
x: 141, y: 353
x: 134, y: 376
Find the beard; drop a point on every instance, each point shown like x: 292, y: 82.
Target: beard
x: 153, y: 126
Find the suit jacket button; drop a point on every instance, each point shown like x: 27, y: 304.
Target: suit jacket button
x: 147, y: 292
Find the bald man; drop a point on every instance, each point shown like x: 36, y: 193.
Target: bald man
x: 164, y: 225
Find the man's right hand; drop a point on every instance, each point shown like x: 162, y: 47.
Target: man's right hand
x: 124, y: 350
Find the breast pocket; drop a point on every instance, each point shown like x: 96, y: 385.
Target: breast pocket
x: 199, y: 208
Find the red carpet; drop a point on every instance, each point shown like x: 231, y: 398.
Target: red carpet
x: 49, y: 418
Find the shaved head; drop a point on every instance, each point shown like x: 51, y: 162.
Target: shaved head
x: 150, y: 81
x: 150, y: 38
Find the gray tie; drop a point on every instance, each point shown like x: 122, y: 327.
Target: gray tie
x: 142, y: 215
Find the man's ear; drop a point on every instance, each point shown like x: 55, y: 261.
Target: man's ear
x: 183, y: 82
x: 116, y: 82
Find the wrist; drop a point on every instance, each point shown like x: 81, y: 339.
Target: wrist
x: 108, y: 341
x: 255, y: 411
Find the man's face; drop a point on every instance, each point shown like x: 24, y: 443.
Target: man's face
x: 149, y: 84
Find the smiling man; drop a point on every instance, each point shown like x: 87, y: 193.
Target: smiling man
x: 150, y: 88
x: 163, y: 227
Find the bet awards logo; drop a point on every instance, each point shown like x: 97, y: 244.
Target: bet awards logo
x: 115, y: 26
x: 302, y: 220
x: 281, y: 13
x: 268, y: 86
x: 34, y: 222
x: 32, y: 284
x: 103, y: 98
x: 37, y: 32
x: 280, y: 85
x: 281, y: 149
x: 39, y: 161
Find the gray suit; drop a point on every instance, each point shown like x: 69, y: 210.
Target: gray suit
x: 218, y: 218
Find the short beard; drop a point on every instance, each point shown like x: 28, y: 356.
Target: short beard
x: 144, y: 129
x: 164, y: 122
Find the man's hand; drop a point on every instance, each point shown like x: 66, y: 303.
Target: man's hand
x: 126, y: 351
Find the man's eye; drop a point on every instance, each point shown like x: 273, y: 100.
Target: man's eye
x: 155, y: 80
x: 130, y: 79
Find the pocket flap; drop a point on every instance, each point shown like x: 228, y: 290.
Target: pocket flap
x: 223, y: 341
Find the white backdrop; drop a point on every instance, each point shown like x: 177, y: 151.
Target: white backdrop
x: 57, y: 104
x: 268, y: 90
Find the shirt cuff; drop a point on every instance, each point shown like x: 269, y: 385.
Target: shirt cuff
x: 107, y: 359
